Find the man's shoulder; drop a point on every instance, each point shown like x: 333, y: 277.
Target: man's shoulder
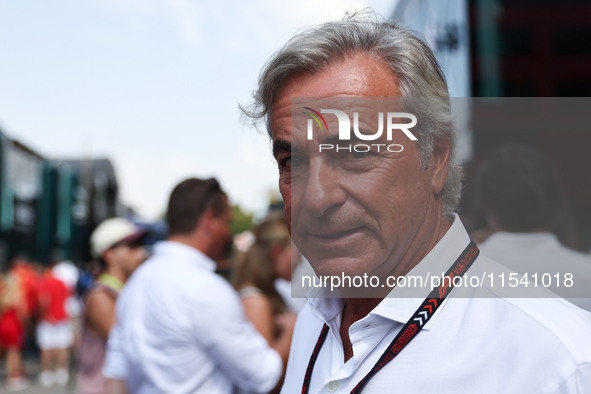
x: 514, y: 251
x: 534, y: 311
x: 182, y: 297
x: 173, y: 279
x: 164, y: 268
x: 567, y: 324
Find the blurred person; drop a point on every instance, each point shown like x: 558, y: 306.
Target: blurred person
x: 180, y: 327
x: 285, y: 278
x: 89, y: 276
x: 391, y: 215
x: 26, y: 276
x: 297, y: 288
x: 19, y: 319
x: 55, y: 334
x: 12, y: 331
x: 117, y: 244
x: 522, y: 199
x: 255, y: 274
x: 67, y: 272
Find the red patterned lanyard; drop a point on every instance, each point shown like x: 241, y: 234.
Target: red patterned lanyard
x: 412, y: 326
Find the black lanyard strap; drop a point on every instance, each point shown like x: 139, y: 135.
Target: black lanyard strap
x: 310, y: 368
x: 412, y: 326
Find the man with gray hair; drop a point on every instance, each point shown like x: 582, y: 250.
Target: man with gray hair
x: 371, y: 211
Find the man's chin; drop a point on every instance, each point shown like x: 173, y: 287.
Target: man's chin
x: 332, y: 253
x: 339, y: 266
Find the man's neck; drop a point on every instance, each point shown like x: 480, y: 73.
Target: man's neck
x: 357, y: 308
x: 422, y: 243
x: 189, y: 240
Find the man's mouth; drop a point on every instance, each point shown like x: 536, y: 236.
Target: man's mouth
x: 333, y: 240
x: 334, y: 234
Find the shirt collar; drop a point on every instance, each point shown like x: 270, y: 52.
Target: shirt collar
x: 402, y: 302
x: 181, y: 252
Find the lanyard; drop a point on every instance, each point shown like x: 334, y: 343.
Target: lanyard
x: 412, y: 326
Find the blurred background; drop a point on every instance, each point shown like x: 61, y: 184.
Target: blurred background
x: 106, y: 105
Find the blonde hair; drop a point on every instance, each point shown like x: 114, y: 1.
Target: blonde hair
x: 255, y: 266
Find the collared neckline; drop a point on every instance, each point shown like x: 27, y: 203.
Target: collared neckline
x: 401, y: 303
x: 184, y: 253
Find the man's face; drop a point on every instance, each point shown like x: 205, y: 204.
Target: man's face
x: 221, y: 231
x: 348, y: 212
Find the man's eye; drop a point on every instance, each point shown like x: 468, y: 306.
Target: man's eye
x: 358, y: 155
x: 291, y: 161
x: 285, y: 163
x: 355, y: 155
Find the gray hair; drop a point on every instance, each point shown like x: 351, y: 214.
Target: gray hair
x: 409, y: 59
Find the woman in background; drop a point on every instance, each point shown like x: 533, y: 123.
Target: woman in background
x: 255, y: 272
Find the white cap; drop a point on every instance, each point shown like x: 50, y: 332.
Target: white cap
x: 113, y: 231
x: 67, y: 273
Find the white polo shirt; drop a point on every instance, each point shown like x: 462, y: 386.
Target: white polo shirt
x: 181, y: 329
x: 470, y: 345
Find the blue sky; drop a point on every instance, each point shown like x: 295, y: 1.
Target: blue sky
x: 153, y: 85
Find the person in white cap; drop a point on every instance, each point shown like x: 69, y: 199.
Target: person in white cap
x: 117, y: 244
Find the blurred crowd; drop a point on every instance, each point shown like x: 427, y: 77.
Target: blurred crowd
x: 39, y: 312
x: 63, y: 315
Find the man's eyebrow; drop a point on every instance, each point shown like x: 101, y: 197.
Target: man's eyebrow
x: 281, y: 146
x: 354, y: 139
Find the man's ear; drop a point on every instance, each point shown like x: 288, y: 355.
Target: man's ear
x: 206, y: 220
x: 439, y: 163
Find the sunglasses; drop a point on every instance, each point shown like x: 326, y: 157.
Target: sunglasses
x: 213, y: 187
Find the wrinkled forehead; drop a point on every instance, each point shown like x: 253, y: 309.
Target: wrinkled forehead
x: 367, y: 107
x: 349, y: 118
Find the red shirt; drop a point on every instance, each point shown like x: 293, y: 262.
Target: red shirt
x: 52, y: 297
x: 27, y: 278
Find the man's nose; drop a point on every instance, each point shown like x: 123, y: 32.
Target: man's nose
x: 323, y: 191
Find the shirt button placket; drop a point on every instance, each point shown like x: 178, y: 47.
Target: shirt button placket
x: 332, y: 386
